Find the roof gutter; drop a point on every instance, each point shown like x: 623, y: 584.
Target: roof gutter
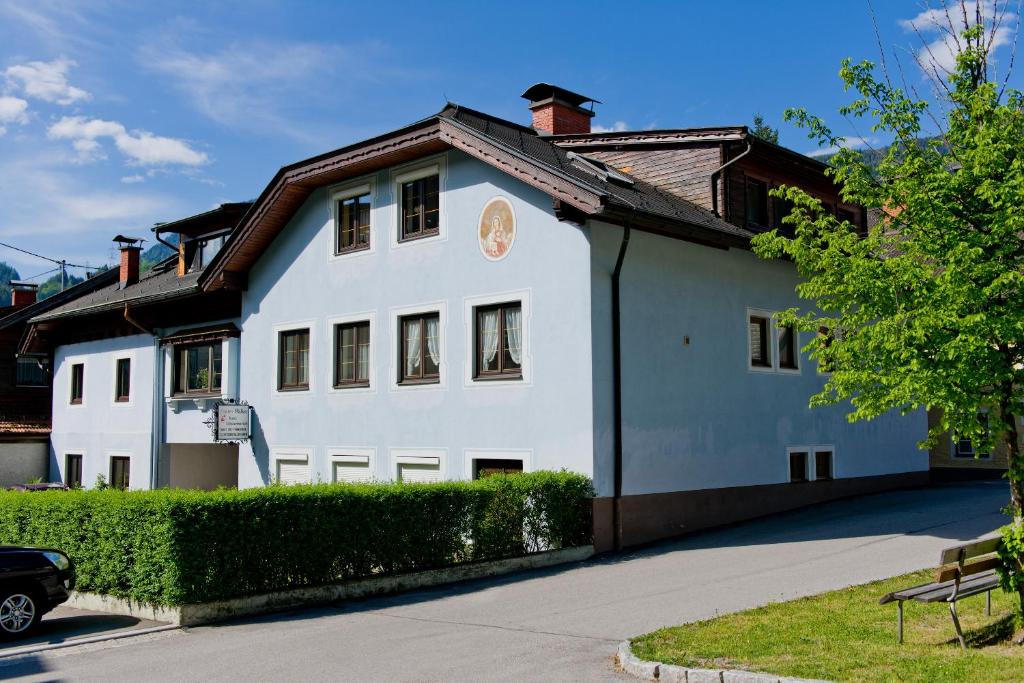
x: 718, y: 172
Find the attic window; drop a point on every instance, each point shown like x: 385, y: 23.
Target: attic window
x: 599, y: 169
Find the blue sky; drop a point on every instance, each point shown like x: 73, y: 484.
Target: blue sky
x: 116, y: 115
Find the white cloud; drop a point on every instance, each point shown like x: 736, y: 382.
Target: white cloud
x: 12, y: 110
x: 933, y: 25
x: 852, y: 142
x: 133, y: 179
x: 45, y: 81
x: 141, y: 147
x: 617, y: 127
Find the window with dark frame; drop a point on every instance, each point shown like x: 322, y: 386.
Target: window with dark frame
x: 499, y: 341
x: 123, y: 376
x: 781, y: 207
x: 827, y: 338
x: 488, y: 467
x: 197, y: 368
x: 760, y: 334
x: 822, y: 465
x: 420, y: 349
x: 32, y: 371
x: 293, y: 360
x: 788, y: 352
x: 353, y: 229
x: 798, y: 466
x: 352, y: 355
x: 420, y: 206
x: 120, y: 472
x: 73, y: 470
x: 77, y: 382
x: 757, y: 203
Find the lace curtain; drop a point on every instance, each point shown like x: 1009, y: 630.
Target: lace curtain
x: 433, y: 340
x: 489, y: 340
x: 412, y: 348
x: 514, y: 333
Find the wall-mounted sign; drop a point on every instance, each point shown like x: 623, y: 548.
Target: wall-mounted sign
x: 233, y: 422
x: 497, y: 229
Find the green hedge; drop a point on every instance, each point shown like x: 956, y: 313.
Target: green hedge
x: 177, y: 547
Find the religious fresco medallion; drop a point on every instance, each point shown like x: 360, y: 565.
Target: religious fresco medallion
x: 497, y: 229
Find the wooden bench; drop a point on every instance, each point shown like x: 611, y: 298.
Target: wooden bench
x: 963, y: 571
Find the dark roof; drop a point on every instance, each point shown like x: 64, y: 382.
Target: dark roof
x: 226, y: 214
x: 640, y: 195
x: 543, y: 91
x: 157, y: 284
x: 23, y: 313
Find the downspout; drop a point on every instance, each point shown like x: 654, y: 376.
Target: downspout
x: 617, y: 388
x: 156, y: 425
x: 134, y: 323
x: 718, y: 172
x: 156, y: 233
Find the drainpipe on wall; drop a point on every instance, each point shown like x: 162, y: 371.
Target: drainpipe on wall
x: 617, y: 388
x: 718, y: 172
x: 157, y: 429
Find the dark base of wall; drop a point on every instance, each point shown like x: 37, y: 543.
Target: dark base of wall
x: 656, y: 516
x: 946, y: 474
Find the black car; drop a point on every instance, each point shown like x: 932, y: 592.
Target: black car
x: 32, y: 582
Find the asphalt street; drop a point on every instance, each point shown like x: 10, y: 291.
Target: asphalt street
x: 555, y: 624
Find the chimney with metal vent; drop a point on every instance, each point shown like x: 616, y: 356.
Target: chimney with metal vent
x: 130, y: 249
x: 557, y: 111
x: 23, y: 293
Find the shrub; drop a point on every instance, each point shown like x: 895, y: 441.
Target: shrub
x: 176, y: 547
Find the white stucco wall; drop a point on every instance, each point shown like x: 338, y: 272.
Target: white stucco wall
x: 696, y: 416
x: 99, y: 427
x: 545, y: 418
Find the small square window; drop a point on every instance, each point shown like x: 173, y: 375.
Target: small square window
x: 757, y: 203
x: 73, y: 470
x: 499, y: 341
x: 788, y: 352
x: 123, y: 379
x: 420, y: 349
x: 352, y: 355
x: 822, y: 465
x: 353, y: 224
x: 77, y: 382
x: 798, y: 466
x: 293, y: 361
x: 420, y: 207
x: 760, y: 335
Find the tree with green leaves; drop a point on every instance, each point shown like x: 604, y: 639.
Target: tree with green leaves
x: 762, y: 130
x: 926, y: 310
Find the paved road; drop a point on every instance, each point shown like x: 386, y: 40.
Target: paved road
x: 555, y: 624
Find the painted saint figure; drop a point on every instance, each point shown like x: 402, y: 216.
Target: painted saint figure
x: 496, y: 244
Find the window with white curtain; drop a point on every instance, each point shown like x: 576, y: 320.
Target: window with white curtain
x: 420, y: 352
x: 499, y: 341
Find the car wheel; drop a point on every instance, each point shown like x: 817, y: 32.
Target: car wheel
x: 19, y: 612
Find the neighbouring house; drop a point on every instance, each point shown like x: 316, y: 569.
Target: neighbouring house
x: 468, y: 295
x: 138, y: 362
x: 25, y: 385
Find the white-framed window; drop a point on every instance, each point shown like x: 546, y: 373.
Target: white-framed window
x: 418, y: 190
x: 292, y: 465
x: 771, y: 347
x: 351, y: 355
x: 418, y: 465
x: 497, y: 338
x: 293, y: 361
x: 122, y: 394
x: 418, y: 347
x: 120, y: 470
x: 352, y: 465
x: 811, y: 463
x: 352, y: 208
x: 74, y: 462
x: 76, y: 380
x: 480, y: 462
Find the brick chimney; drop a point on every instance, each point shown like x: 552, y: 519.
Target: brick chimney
x: 130, y: 248
x: 557, y: 111
x: 23, y: 293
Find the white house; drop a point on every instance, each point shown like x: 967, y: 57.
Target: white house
x: 467, y: 295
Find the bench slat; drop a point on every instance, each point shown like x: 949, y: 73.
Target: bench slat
x: 935, y: 592
x: 982, y: 547
x: 949, y: 573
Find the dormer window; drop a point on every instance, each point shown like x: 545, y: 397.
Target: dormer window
x: 206, y: 249
x: 600, y: 169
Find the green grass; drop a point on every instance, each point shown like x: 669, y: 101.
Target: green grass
x: 846, y: 635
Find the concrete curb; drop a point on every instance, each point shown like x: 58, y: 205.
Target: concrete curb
x: 656, y: 671
x: 266, y: 603
x: 86, y: 640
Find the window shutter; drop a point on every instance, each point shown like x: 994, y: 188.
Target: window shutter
x: 293, y: 471
x: 352, y: 472
x: 419, y: 473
